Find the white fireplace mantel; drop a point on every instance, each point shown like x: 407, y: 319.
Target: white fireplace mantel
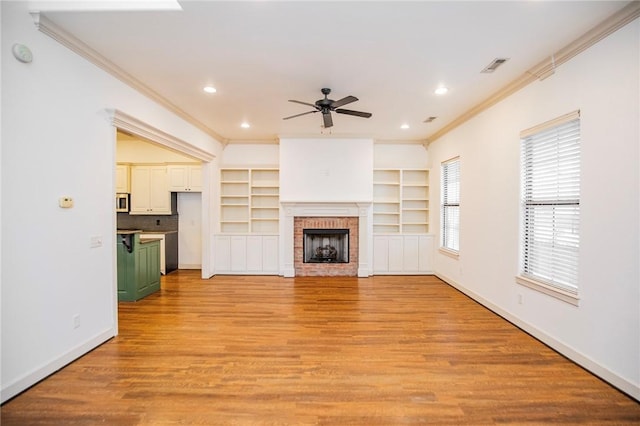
x: 360, y: 209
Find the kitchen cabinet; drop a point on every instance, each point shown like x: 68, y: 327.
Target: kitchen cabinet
x: 149, y: 190
x: 122, y: 179
x: 138, y: 267
x: 168, y: 249
x: 403, y: 254
x: 246, y: 254
x: 184, y: 178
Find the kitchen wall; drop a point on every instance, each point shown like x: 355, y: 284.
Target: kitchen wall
x: 603, y: 332
x: 133, y: 150
x: 190, y: 235
x: 57, y: 140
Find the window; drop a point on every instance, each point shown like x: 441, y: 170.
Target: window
x: 550, y: 238
x: 450, y: 202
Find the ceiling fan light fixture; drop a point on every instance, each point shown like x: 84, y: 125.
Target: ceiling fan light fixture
x: 245, y: 125
x: 404, y: 126
x: 326, y: 106
x: 209, y: 89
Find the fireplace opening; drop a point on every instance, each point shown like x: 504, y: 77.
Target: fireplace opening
x: 325, y: 245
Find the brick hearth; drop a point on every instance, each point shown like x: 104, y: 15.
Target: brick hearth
x: 325, y: 269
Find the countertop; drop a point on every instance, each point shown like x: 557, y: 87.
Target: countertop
x: 140, y: 231
x: 128, y: 231
x: 149, y: 240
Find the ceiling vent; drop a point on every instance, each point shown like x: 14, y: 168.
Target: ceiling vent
x: 429, y: 119
x: 494, y: 64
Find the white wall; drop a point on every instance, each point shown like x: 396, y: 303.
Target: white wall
x: 603, y: 333
x: 400, y: 156
x: 190, y: 226
x: 57, y: 141
x: 137, y: 151
x: 251, y: 155
x: 326, y: 170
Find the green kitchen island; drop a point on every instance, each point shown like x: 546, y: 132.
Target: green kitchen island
x: 138, y: 265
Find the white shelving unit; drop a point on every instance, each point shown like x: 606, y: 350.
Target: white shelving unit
x: 415, y: 201
x: 249, y: 201
x: 386, y: 201
x: 401, y: 201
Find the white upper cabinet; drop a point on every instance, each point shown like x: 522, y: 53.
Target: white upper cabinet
x: 149, y: 190
x: 122, y: 179
x: 184, y: 178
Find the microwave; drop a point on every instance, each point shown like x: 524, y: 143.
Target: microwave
x: 122, y: 202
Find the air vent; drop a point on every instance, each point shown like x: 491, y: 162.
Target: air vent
x: 429, y: 119
x: 494, y: 64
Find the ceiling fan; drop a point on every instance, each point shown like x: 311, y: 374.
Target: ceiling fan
x: 326, y: 106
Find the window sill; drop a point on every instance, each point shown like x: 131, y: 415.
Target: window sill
x: 565, y: 296
x: 451, y: 253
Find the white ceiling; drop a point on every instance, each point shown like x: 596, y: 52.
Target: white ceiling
x: 391, y: 55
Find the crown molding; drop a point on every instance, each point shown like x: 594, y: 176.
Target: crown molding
x: 136, y: 127
x: 45, y: 26
x: 547, y: 67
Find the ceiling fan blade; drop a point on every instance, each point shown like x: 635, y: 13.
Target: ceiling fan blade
x: 328, y: 122
x: 298, y: 115
x: 356, y: 113
x: 304, y: 103
x: 343, y: 101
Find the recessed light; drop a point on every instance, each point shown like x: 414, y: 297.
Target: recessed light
x: 404, y: 126
x: 441, y: 90
x: 209, y: 89
x: 245, y: 125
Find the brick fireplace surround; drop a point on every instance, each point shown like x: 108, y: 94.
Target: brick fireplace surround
x: 355, y: 216
x: 325, y: 269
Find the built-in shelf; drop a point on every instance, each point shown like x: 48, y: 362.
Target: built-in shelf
x: 249, y: 200
x: 401, y: 201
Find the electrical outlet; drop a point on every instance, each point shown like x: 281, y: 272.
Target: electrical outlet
x: 520, y: 299
x: 76, y: 321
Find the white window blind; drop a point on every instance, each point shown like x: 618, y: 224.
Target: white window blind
x: 550, y: 190
x: 450, y: 205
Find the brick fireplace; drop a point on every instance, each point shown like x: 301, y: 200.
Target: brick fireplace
x: 356, y: 217
x: 349, y: 268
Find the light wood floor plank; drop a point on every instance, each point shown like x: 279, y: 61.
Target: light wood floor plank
x: 317, y: 351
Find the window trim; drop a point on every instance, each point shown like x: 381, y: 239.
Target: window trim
x: 565, y: 295
x: 449, y: 251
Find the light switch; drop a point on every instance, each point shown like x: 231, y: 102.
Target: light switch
x: 95, y: 242
x: 65, y: 202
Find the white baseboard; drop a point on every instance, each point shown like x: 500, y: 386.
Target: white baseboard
x: 189, y: 266
x: 576, y: 356
x: 30, y: 379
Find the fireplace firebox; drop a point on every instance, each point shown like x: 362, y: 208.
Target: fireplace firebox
x: 325, y: 245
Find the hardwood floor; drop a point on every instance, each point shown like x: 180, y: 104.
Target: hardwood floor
x: 269, y: 350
